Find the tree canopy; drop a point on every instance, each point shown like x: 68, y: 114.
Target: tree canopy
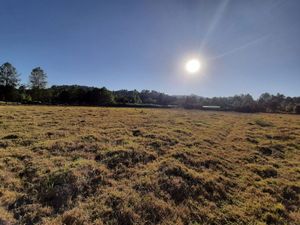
x: 37, y: 92
x: 38, y: 78
x: 8, y: 75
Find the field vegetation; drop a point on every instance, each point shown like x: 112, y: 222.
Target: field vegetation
x: 92, y: 165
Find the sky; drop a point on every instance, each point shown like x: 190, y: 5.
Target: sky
x: 244, y: 46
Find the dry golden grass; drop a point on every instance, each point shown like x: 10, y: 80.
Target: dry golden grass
x: 88, y: 165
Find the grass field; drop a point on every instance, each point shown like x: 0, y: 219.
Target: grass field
x: 88, y: 165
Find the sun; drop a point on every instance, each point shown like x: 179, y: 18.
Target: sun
x: 193, y: 66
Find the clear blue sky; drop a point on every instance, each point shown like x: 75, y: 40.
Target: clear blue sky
x: 247, y: 46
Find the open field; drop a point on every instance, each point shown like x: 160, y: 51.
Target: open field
x: 88, y: 165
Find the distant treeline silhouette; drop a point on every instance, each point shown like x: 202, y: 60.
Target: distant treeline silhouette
x: 38, y: 93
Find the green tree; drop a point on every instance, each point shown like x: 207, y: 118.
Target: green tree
x: 38, y: 82
x: 38, y: 78
x: 106, y: 96
x: 9, y: 79
x: 8, y: 75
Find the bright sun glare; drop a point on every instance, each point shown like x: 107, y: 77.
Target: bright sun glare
x: 193, y: 66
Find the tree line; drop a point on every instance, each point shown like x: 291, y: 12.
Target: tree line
x: 37, y: 92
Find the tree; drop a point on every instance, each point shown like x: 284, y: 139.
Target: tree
x: 38, y: 82
x: 38, y: 78
x: 264, y: 102
x: 23, y: 94
x: 9, y: 79
x: 191, y: 102
x: 107, y: 97
x: 100, y: 96
x: 297, y: 109
x: 8, y: 75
